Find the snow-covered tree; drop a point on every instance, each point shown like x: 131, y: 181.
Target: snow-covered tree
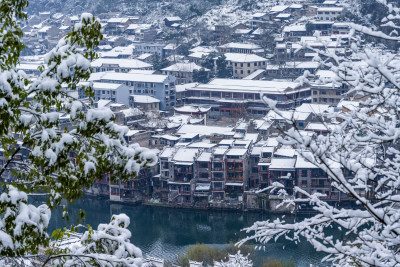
x: 236, y: 260
x: 41, y: 157
x: 365, y: 144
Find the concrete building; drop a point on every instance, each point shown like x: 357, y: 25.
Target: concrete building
x: 240, y: 48
x: 119, y: 65
x: 329, y: 13
x: 161, y: 87
x: 144, y: 103
x: 117, y: 93
x: 183, y: 72
x: 244, y: 64
x: 232, y: 98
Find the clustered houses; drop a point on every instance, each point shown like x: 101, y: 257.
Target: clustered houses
x: 216, y: 140
x: 200, y: 172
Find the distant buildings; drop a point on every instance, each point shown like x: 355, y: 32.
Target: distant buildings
x: 231, y: 98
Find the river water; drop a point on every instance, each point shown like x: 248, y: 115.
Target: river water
x: 163, y: 232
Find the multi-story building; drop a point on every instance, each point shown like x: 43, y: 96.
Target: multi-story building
x: 161, y: 87
x: 183, y: 72
x: 329, y: 13
x: 237, y: 172
x: 244, y: 64
x: 150, y: 48
x: 118, y: 93
x: 329, y: 93
x: 239, y: 48
x: 293, y: 33
x: 232, y: 98
x: 119, y: 65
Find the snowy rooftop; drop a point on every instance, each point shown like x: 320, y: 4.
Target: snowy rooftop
x: 145, y: 99
x: 203, y: 49
x: 295, y: 28
x: 285, y: 152
x: 301, y: 162
x: 169, y: 137
x: 243, y: 58
x: 278, y: 8
x: 118, y: 20
x: 317, y: 109
x: 184, y: 67
x: 246, y: 86
x: 121, y: 62
x: 330, y: 9
x: 272, y: 142
x: 287, y: 115
x: 240, y: 46
x: 204, y: 130
x: 132, y: 132
x: 296, y: 65
x: 316, y: 126
x: 131, y: 112
x: 220, y: 150
x: 282, y: 164
x: 104, y: 86
x: 167, y: 152
x: 205, y: 157
x: 186, y: 154
x: 133, y: 77
x: 176, y: 18
x: 192, y: 109
x: 202, y: 145
x: 237, y: 152
x: 251, y: 137
x: 350, y: 105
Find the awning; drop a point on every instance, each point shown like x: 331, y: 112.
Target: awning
x: 202, y: 187
x: 184, y: 183
x: 234, y: 184
x: 184, y: 163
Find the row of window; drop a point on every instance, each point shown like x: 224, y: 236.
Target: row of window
x: 326, y: 100
x: 255, y: 64
x: 324, y: 92
x: 104, y: 92
x: 328, y: 13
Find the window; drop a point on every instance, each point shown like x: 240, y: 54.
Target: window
x: 241, y: 65
x: 103, y: 92
x: 303, y: 173
x: 301, y: 124
x: 241, y: 72
x: 248, y: 64
x: 248, y: 72
x: 315, y: 92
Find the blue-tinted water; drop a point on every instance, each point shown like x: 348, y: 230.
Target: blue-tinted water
x: 163, y: 232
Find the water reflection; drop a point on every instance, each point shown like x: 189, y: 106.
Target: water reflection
x: 162, y: 232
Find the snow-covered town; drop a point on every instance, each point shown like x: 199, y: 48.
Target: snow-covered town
x: 266, y: 107
x: 202, y: 108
